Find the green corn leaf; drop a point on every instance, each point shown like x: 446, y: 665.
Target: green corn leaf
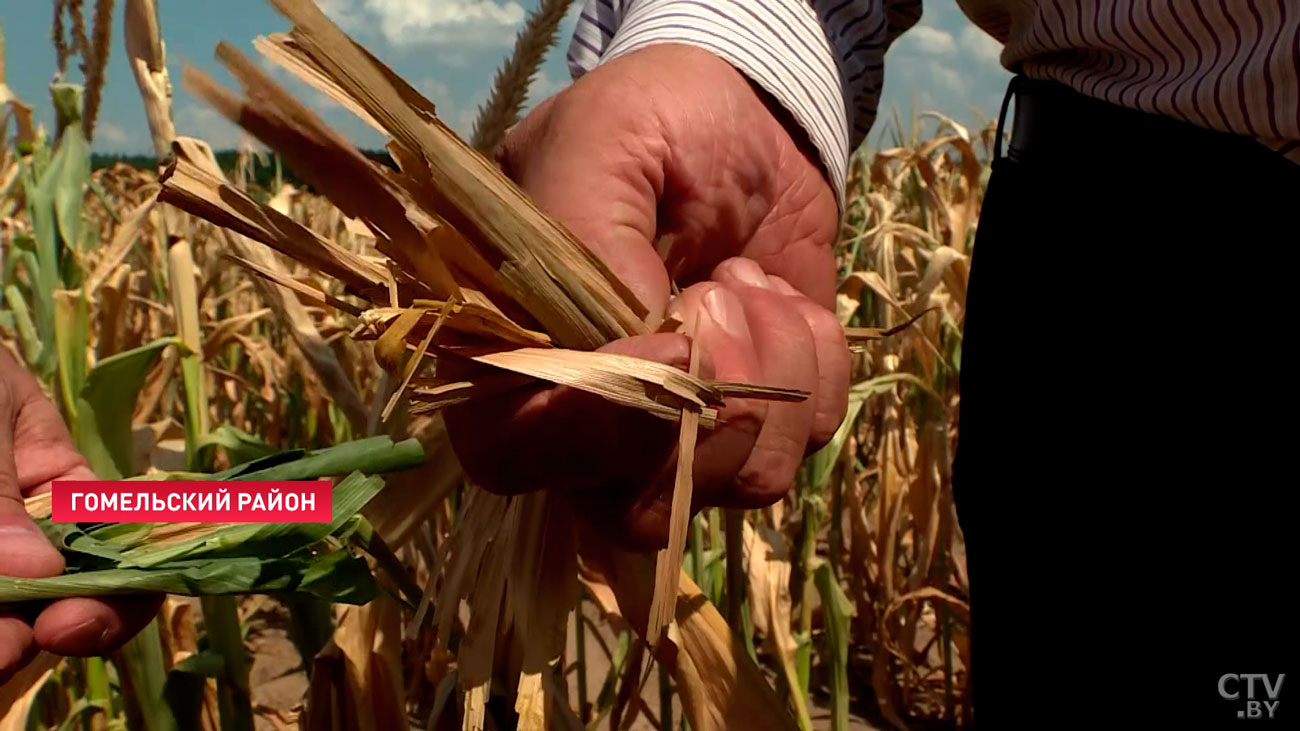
x: 79, y: 548
x: 263, y: 539
x: 206, y: 664
x: 375, y: 455
x: 67, y: 100
x: 822, y: 462
x: 23, y: 325
x: 22, y: 251
x: 838, y: 609
x: 311, y: 559
x: 185, y: 306
x: 371, y: 456
x: 71, y: 334
x: 144, y: 671
x: 106, y: 403
x: 184, y: 687
x: 337, y: 576
x: 240, y: 446
x: 881, y: 384
x: 45, y: 275
x: 102, y: 197
x: 79, y: 715
x: 263, y: 464
x: 121, y: 535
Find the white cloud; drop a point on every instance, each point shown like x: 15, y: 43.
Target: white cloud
x: 436, y: 90
x: 928, y: 39
x: 423, y: 22
x: 107, y: 133
x: 461, y: 120
x: 981, y: 45
x: 450, y: 110
x: 544, y: 86
x: 948, y: 78
x: 208, y: 125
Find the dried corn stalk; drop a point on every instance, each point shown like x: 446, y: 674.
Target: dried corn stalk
x: 144, y: 49
x: 475, y: 272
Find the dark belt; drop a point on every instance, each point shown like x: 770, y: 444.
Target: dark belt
x: 1054, y: 124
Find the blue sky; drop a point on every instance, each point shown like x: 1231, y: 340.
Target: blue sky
x: 450, y: 50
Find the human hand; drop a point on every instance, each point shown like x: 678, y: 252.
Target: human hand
x: 35, y: 450
x: 672, y: 141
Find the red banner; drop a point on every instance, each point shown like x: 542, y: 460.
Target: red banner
x: 253, y: 501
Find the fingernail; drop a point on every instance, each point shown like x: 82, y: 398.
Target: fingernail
x: 749, y: 272
x: 20, y: 537
x: 674, y: 311
x: 19, y: 529
x: 783, y: 287
x: 86, y: 636
x: 725, y: 309
x: 27, y: 552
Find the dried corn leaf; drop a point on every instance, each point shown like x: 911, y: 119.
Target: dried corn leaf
x: 668, y: 561
x: 194, y: 183
x: 353, y: 182
x: 19, y: 694
x: 120, y: 245
x: 479, y: 645
x: 415, y: 360
x: 656, y: 388
x: 564, y: 286
x: 305, y: 292
x: 281, y: 50
x: 39, y: 506
x: 541, y: 591
x: 720, y: 686
x: 465, y: 317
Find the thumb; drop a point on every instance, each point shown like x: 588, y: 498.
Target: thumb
x: 599, y: 171
x: 26, y: 550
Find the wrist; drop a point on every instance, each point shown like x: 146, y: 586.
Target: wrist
x: 778, y: 45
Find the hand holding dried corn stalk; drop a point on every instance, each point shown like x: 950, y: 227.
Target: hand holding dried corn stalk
x: 502, y: 296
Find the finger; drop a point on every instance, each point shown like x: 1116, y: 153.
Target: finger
x: 726, y: 333
x: 597, y: 169
x: 829, y: 345
x: 717, y: 317
x: 834, y: 363
x: 786, y: 358
x: 566, y: 438
x: 26, y: 551
x: 42, y: 450
x: 84, y: 626
x: 17, y: 646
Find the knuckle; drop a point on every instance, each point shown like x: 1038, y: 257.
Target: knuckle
x: 766, y: 477
x: 745, y: 415
x: 822, y: 320
x: 826, y: 423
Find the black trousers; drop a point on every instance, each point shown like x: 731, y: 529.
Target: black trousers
x: 1125, y: 470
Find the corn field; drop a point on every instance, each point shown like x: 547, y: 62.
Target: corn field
x: 844, y: 606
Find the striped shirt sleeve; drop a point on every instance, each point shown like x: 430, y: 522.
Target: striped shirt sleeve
x: 779, y: 44
x: 860, y: 31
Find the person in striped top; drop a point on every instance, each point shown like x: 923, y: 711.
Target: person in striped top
x: 1228, y: 66
x: 1111, y: 476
